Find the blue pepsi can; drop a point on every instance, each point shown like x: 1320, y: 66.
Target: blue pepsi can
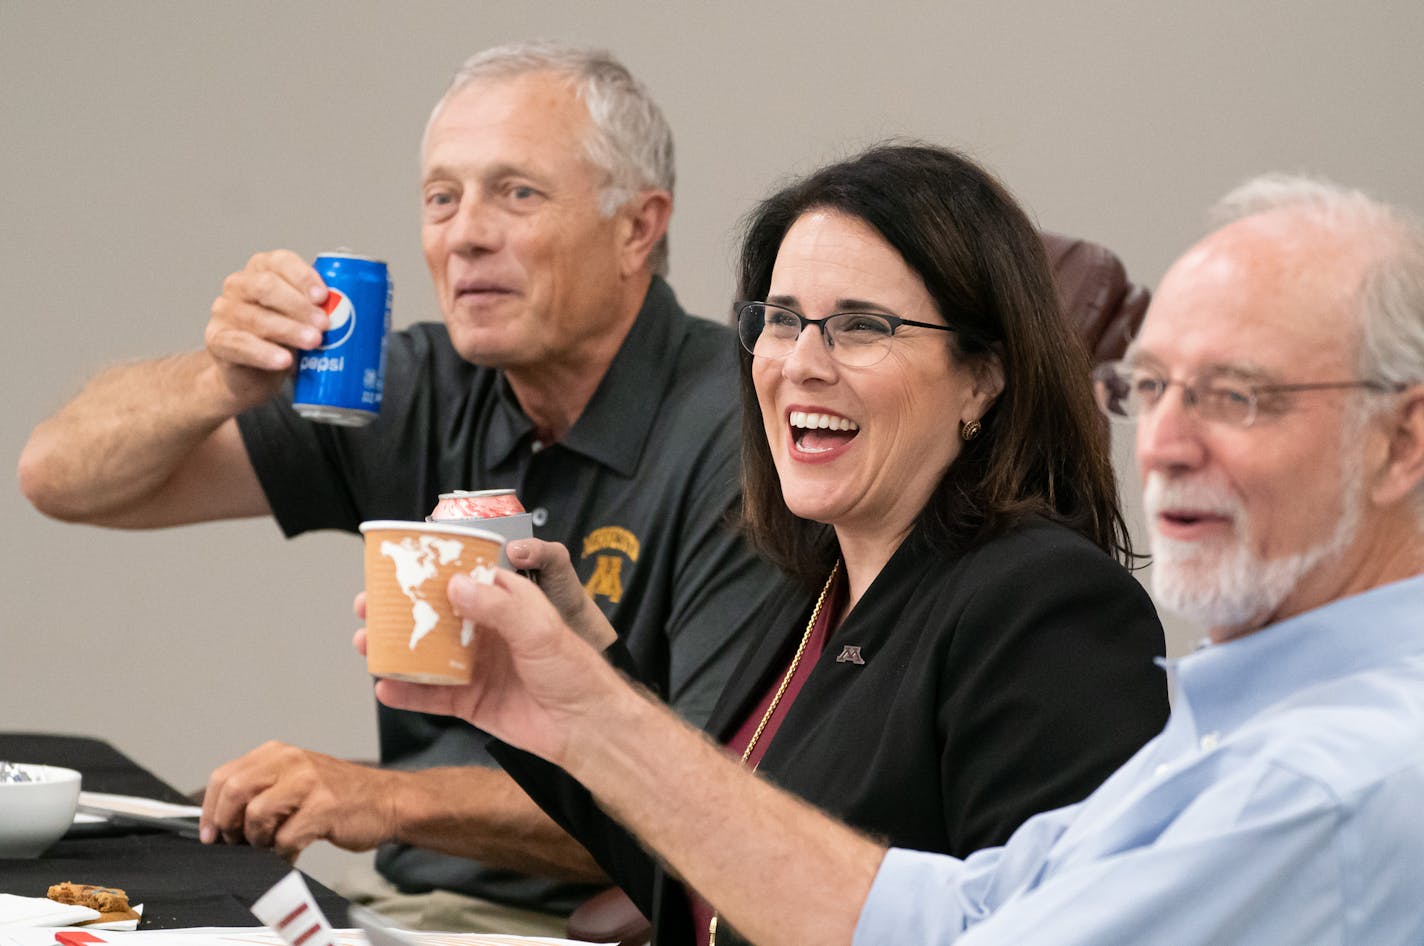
x: 339, y: 382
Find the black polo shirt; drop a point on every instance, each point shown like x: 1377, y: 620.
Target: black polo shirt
x: 638, y: 491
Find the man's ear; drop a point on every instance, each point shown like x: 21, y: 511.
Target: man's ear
x: 1403, y: 469
x: 643, y: 222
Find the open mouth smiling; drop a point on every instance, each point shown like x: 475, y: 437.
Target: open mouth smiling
x: 818, y: 433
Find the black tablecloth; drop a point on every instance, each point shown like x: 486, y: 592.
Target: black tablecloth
x: 180, y: 882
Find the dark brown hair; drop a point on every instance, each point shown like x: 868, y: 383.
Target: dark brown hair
x: 1043, y: 448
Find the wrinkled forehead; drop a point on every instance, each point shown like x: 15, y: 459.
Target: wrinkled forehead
x: 1262, y: 295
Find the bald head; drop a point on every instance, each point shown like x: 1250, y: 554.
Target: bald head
x: 1282, y: 276
x: 1385, y: 242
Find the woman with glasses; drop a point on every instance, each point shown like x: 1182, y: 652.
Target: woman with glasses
x: 922, y: 454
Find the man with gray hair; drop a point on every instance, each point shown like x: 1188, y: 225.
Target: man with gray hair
x: 1277, y: 387
x: 565, y: 369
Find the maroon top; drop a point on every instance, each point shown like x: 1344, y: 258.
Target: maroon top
x: 737, y: 743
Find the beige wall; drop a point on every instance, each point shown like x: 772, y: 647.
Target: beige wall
x: 147, y: 148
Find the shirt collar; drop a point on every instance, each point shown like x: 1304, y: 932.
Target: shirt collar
x: 508, y: 425
x: 618, y: 418
x: 1224, y: 685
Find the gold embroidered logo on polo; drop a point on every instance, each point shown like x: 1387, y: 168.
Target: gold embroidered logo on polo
x: 607, y: 577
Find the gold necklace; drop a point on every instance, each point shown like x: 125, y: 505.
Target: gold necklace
x: 776, y: 700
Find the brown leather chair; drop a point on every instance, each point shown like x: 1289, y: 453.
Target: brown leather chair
x: 1097, y: 298
x: 1106, y: 310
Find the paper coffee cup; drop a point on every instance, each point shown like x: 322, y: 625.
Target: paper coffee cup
x: 411, y: 631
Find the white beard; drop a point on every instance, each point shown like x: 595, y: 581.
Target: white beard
x: 1229, y: 586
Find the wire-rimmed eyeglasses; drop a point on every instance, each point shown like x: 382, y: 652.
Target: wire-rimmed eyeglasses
x: 1125, y: 392
x: 853, y: 339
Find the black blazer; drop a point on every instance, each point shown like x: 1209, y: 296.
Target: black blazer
x: 1005, y: 681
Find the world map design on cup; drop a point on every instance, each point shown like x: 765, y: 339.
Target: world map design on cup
x: 412, y: 633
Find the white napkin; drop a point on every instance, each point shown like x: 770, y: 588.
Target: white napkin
x: 42, y: 911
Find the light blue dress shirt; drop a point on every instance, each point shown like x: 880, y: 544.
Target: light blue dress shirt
x: 1282, y: 804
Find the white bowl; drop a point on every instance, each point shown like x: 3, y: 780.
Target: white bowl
x: 34, y: 815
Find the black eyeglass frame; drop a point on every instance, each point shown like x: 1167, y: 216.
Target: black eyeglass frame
x: 894, y: 321
x: 1192, y: 398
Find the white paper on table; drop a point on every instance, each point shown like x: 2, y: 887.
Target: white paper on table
x: 263, y: 936
x: 41, y: 911
x: 50, y: 914
x: 135, y: 805
x: 289, y: 907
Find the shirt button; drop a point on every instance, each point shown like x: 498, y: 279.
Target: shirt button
x: 539, y: 516
x: 1161, y: 770
x: 1210, y: 741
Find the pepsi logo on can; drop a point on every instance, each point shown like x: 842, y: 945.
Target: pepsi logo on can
x: 340, y: 381
x: 342, y: 314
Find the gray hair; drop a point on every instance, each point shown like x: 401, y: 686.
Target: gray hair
x: 1391, y: 292
x: 629, y: 141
